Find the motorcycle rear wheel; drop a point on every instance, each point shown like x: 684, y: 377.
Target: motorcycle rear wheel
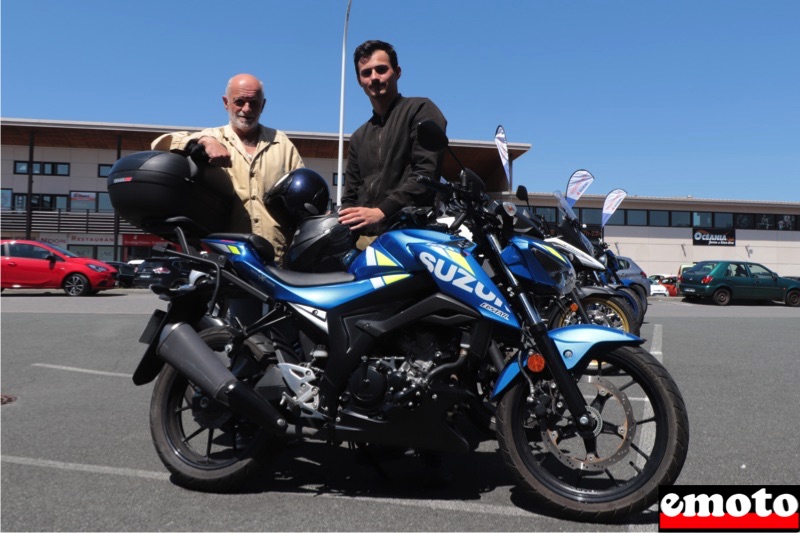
x: 201, y: 442
x: 640, y: 442
x: 610, y: 311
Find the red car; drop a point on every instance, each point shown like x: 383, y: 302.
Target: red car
x: 39, y: 265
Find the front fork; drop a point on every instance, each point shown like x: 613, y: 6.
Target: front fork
x: 538, y: 332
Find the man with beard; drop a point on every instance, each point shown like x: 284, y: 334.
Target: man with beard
x: 253, y: 156
x: 384, y: 157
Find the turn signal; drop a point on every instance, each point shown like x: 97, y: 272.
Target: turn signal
x: 573, y: 307
x: 535, y: 362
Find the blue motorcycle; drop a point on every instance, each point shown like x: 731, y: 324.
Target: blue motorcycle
x: 389, y: 353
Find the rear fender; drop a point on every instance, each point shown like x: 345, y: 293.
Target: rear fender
x: 574, y: 344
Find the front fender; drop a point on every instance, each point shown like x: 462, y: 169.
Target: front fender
x: 574, y: 344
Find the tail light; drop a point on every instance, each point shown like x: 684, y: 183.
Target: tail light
x: 161, y: 270
x: 706, y: 280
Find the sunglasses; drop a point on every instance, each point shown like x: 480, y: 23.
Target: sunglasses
x: 380, y: 69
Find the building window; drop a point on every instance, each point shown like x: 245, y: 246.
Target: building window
x: 702, y: 219
x: 659, y: 218
x: 82, y: 201
x: 20, y: 201
x: 745, y: 221
x: 104, y: 202
x: 765, y: 222
x: 8, y: 197
x: 617, y: 219
x: 591, y: 216
x: 723, y: 220
x: 787, y: 222
x: 336, y: 179
x: 637, y: 217
x: 103, y: 170
x: 47, y: 169
x: 548, y: 214
x: 680, y: 219
x: 39, y: 202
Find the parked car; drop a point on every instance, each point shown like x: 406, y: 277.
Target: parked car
x: 39, y: 265
x: 724, y: 281
x: 168, y: 271
x: 657, y: 289
x: 671, y: 284
x: 633, y: 275
x: 125, y: 273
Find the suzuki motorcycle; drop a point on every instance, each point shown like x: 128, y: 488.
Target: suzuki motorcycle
x: 597, y: 303
x: 388, y: 354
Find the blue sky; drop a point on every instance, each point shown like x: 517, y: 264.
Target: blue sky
x: 658, y: 97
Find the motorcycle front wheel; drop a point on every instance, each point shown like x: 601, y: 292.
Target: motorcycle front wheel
x: 639, y: 441
x: 604, y: 310
x: 201, y: 442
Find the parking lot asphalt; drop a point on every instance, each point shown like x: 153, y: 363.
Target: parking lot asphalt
x: 77, y: 455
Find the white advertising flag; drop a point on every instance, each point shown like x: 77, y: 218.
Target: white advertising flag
x: 502, y: 148
x: 577, y: 185
x: 613, y: 199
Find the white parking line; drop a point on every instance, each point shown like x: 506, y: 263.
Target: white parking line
x: 437, y: 505
x: 77, y: 467
x: 83, y: 370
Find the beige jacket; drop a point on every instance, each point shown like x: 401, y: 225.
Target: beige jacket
x: 275, y: 156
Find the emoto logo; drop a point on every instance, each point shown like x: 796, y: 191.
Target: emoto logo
x: 728, y: 508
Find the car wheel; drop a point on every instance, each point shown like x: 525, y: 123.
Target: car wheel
x: 178, y: 282
x: 793, y: 299
x: 722, y: 297
x: 77, y: 285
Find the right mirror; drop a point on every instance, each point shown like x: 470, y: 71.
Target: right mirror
x: 431, y: 136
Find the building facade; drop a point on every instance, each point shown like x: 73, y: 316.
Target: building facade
x: 54, y: 174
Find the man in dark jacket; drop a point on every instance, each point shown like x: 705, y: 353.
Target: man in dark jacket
x: 384, y: 157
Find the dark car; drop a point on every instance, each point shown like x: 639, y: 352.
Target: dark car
x: 40, y: 265
x: 168, y: 271
x: 124, y: 273
x: 724, y: 281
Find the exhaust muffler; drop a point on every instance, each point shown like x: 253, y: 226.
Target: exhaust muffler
x: 182, y: 347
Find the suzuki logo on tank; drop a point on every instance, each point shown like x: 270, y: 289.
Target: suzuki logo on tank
x: 713, y: 237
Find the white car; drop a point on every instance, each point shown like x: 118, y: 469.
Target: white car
x: 657, y: 289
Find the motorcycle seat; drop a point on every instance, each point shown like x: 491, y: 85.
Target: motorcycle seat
x: 307, y: 279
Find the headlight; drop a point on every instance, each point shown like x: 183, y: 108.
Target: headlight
x: 97, y: 268
x: 560, y: 272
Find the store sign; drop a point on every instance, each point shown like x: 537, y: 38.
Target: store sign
x: 83, y: 196
x: 713, y: 237
x: 141, y: 240
x: 96, y: 239
x: 57, y: 239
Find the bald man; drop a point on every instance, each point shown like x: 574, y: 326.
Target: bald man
x: 252, y: 155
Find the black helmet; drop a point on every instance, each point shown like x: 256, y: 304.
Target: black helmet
x: 296, y: 196
x: 321, y: 244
